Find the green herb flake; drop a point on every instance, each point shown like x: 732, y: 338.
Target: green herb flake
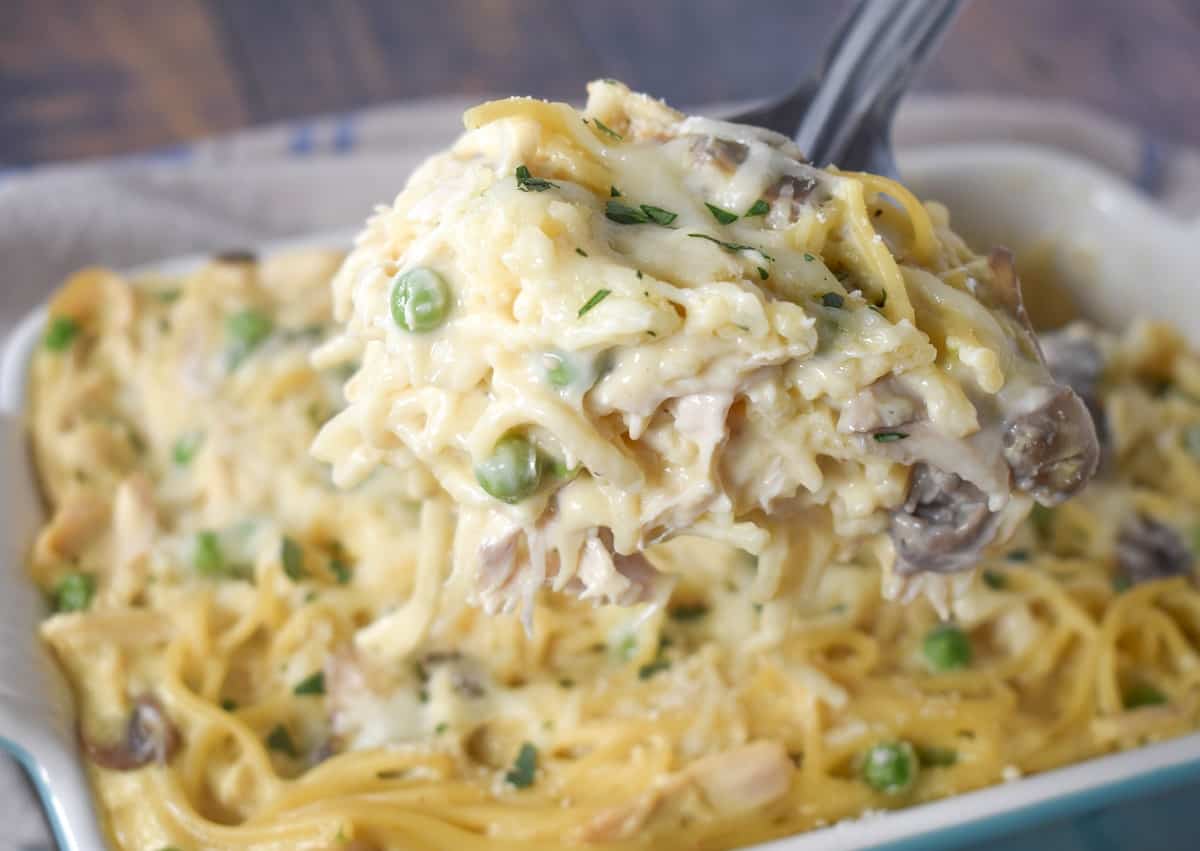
x: 1042, y: 519
x: 624, y: 214
x: 762, y: 273
x: 626, y: 647
x: 340, y: 570
x: 1142, y: 694
x: 758, y: 208
x: 207, y: 557
x: 935, y: 757
x: 524, y: 767
x: 279, y: 739
x: 229, y: 704
x: 566, y: 682
x: 580, y: 252
x: 614, y: 192
x: 246, y: 330
x: 995, y: 580
x: 527, y: 183
x: 651, y: 668
x: 1017, y: 555
x: 639, y: 275
x: 889, y: 436
x: 723, y: 216
x: 168, y: 296
x: 441, y: 727
x: 658, y: 215
x: 60, y: 333
x: 185, y: 448
x: 597, y: 297
x: 732, y: 246
x: 74, y: 592
x: 292, y: 556
x: 835, y: 300
x: 689, y: 612
x: 606, y: 130
x: 310, y: 685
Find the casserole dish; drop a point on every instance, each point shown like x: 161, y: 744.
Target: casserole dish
x: 1114, y: 253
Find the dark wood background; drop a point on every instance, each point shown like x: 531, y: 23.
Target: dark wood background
x: 81, y: 78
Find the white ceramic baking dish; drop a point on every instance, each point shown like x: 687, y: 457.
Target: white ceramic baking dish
x: 1117, y: 253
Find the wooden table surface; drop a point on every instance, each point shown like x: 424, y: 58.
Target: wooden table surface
x: 83, y: 78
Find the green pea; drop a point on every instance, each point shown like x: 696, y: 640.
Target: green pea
x: 420, y: 300
x: 947, y: 648
x: 74, y: 592
x: 890, y: 767
x: 512, y: 472
x: 60, y: 333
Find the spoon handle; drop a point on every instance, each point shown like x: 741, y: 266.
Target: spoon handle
x: 869, y: 64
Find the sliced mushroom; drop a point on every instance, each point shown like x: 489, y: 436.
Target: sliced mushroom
x: 943, y: 525
x: 1149, y: 550
x: 725, y: 154
x: 149, y: 736
x: 1053, y: 450
x: 1075, y: 359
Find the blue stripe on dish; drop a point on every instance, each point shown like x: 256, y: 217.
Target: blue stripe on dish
x: 344, y: 134
x: 1151, y: 168
x: 301, y: 140
x: 30, y: 765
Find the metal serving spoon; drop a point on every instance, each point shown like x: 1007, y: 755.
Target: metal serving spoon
x: 843, y: 114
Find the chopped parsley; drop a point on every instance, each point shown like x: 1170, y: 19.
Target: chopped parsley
x: 627, y: 647
x: 228, y: 704
x: 689, y: 611
x: 74, y: 592
x: 723, y: 216
x: 312, y: 684
x: 597, y: 297
x: 528, y: 183
x: 762, y: 273
x: 995, y: 580
x: 1042, y: 519
x: 606, y: 130
x: 758, y: 208
x: 524, y: 767
x: 246, y: 329
x: 186, y: 447
x: 566, y: 682
x: 168, y: 296
x: 833, y: 300
x: 340, y: 570
x: 292, y: 557
x: 614, y: 192
x: 580, y: 252
x: 731, y: 246
x: 889, y: 436
x: 1142, y: 694
x: 808, y: 257
x: 624, y: 214
x: 207, y: 557
x: 441, y: 727
x: 279, y: 739
x: 1017, y: 555
x: 936, y: 757
x: 60, y: 333
x: 651, y: 668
